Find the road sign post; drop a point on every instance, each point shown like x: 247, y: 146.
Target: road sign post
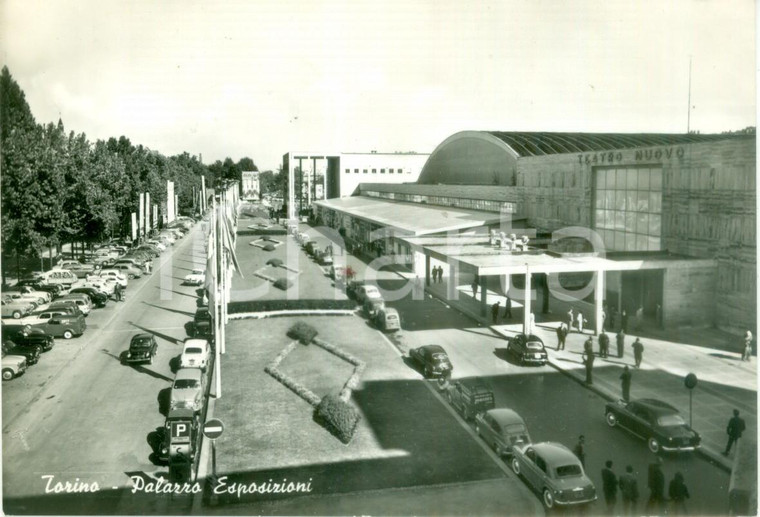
x: 212, y: 430
x: 690, y: 381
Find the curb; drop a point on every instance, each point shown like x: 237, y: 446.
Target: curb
x: 274, y: 314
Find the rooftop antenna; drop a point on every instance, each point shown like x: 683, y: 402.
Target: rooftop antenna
x: 688, y: 112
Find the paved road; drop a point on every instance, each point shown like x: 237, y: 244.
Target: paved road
x: 555, y: 407
x: 81, y: 415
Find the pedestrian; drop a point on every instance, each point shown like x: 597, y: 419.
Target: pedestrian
x: 437, y: 275
x: 620, y: 338
x: 611, y: 320
x: 656, y: 485
x: 658, y: 315
x: 609, y: 486
x: 624, y: 322
x: 747, y: 346
x: 588, y: 362
x: 440, y: 274
x: 588, y: 346
x: 638, y: 352
x: 629, y: 491
x: 678, y: 493
x: 570, y: 320
x: 117, y: 292
x: 561, y: 336
x: 604, y: 318
x: 639, y: 317
x: 508, y: 308
x: 495, y: 311
x: 580, y: 450
x: 581, y: 320
x: 625, y: 380
x: 475, y: 288
x: 734, y: 431
x: 604, y: 345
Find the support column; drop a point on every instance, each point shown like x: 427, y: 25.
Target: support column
x: 598, y: 300
x: 526, y: 306
x: 453, y: 282
x: 483, y: 295
x: 427, y: 270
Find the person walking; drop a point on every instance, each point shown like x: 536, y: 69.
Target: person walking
x: 625, y: 380
x: 580, y: 450
x: 604, y: 317
x: 570, y: 320
x: 611, y: 320
x: 475, y: 288
x: 640, y: 318
x: 747, y: 353
x: 734, y: 431
x: 495, y: 312
x: 117, y: 292
x: 638, y: 352
x: 656, y: 485
x: 620, y: 338
x: 678, y: 493
x: 440, y: 274
x: 629, y: 491
x: 508, y: 308
x: 624, y: 322
x: 561, y: 336
x: 609, y: 487
x: 580, y: 320
x: 604, y: 345
x: 588, y: 362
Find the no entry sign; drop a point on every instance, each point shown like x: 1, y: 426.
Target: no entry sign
x: 213, y: 429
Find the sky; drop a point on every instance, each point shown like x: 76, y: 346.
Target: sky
x: 261, y: 78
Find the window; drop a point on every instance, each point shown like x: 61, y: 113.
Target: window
x: 365, y: 171
x: 382, y: 171
x: 356, y: 171
x: 390, y: 171
x: 348, y: 171
x: 374, y: 171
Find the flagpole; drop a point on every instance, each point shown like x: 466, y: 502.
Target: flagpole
x: 217, y: 320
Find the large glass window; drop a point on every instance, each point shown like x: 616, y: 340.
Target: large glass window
x: 628, y: 208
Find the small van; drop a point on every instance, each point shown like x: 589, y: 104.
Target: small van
x: 388, y: 320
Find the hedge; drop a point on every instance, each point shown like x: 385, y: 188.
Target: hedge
x: 283, y: 283
x: 274, y: 262
x: 275, y: 230
x: 269, y: 247
x: 303, y: 332
x: 293, y: 305
x: 338, y: 417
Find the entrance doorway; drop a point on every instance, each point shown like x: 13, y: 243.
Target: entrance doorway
x: 642, y: 289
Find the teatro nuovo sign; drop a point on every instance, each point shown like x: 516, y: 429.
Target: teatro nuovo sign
x: 655, y: 154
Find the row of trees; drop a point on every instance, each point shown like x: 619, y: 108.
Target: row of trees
x: 59, y: 187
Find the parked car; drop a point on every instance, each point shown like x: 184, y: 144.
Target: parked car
x: 502, y: 429
x: 57, y: 276
x: 555, y: 472
x: 202, y: 322
x: 114, y: 274
x: 26, y: 292
x: 433, y: 360
x: 388, y: 320
x: 13, y: 366
x: 188, y: 389
x: 372, y: 306
x: 142, y: 349
x: 657, y: 422
x: 129, y: 270
x: 367, y: 291
x: 527, y: 349
x: 76, y: 267
x: 152, y: 250
x: 310, y: 247
x: 71, y: 306
x: 98, y: 297
x: 52, y: 289
x: 19, y: 297
x: 470, y: 397
x: 31, y: 351
x: 196, y: 277
x: 10, y: 308
x: 26, y: 335
x: 58, y: 324
x: 195, y: 354
x: 324, y: 257
x: 160, y: 246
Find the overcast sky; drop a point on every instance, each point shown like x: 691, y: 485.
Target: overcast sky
x: 261, y: 78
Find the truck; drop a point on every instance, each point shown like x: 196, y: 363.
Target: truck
x: 470, y: 397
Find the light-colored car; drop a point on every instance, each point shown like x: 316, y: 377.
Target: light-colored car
x: 168, y: 236
x: 13, y: 366
x: 127, y: 269
x: 187, y: 390
x: 195, y: 354
x: 10, y: 308
x: 158, y: 244
x: 502, y: 429
x: 553, y: 471
x: 197, y: 277
x: 102, y: 284
x: 388, y: 320
x: 46, y: 296
x: 32, y: 298
x: 367, y: 291
x: 58, y: 276
x: 82, y: 300
x: 115, y: 275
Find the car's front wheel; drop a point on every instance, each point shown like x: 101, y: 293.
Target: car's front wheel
x: 130, y: 276
x: 611, y: 419
x: 8, y: 374
x: 653, y: 445
x: 16, y: 315
x: 67, y: 334
x: 548, y: 498
x: 515, y: 466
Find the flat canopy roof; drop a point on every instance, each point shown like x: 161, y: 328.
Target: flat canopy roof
x: 474, y: 252
x: 413, y: 219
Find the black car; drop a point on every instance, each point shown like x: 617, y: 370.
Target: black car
x: 26, y: 335
x: 142, y: 349
x: 527, y: 349
x: 53, y: 289
x: 31, y: 351
x: 202, y: 323
x: 98, y: 298
x: 657, y: 422
x: 433, y: 359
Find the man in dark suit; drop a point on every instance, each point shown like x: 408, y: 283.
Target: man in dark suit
x: 609, y: 486
x: 561, y: 336
x: 734, y: 430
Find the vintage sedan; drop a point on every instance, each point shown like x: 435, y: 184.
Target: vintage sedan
x: 31, y: 351
x: 26, y: 335
x: 58, y: 322
x: 433, y: 360
x: 367, y: 291
x: 13, y: 366
x: 187, y: 390
x: 142, y: 349
x: 657, y: 422
x: 196, y: 277
x: 502, y: 429
x: 195, y: 354
x: 555, y: 472
x: 11, y: 308
x: 114, y: 274
x: 127, y: 269
x: 527, y: 349
x: 98, y: 297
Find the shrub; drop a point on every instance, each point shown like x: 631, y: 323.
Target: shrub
x: 274, y: 230
x: 275, y: 262
x: 338, y: 417
x: 303, y: 332
x: 283, y: 283
x: 269, y: 247
x: 293, y: 305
